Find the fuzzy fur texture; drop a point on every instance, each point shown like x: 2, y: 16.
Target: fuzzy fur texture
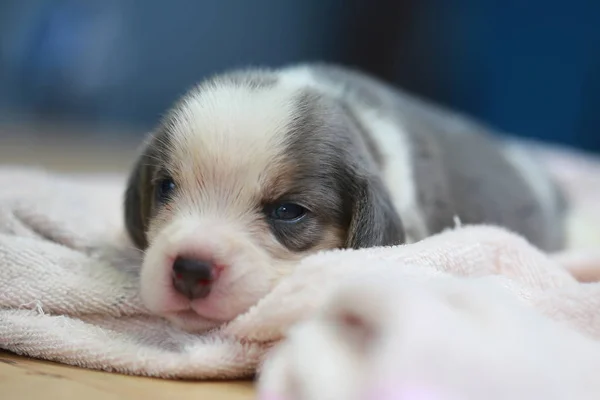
x: 371, y: 165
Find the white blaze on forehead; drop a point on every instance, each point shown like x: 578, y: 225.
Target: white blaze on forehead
x: 226, y: 139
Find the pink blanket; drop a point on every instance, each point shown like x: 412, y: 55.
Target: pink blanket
x: 68, y: 292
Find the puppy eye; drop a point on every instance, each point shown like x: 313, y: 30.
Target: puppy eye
x: 288, y: 212
x: 164, y: 189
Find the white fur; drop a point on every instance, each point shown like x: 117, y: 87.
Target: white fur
x: 226, y: 145
x: 397, y: 171
x: 247, y: 276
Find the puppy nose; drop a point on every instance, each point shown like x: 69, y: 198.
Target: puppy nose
x: 193, y: 278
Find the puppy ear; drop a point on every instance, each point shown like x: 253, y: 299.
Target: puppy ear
x: 374, y: 220
x: 138, y: 198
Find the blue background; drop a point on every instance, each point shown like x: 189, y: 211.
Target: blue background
x: 531, y: 68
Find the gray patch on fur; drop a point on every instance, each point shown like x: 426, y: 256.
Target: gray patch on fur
x: 336, y: 176
x: 366, y: 137
x: 459, y: 169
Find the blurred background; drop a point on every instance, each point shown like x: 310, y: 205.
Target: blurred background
x: 82, y: 81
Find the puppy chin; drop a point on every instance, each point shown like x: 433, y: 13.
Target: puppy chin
x: 249, y: 274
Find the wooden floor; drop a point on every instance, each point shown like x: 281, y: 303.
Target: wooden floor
x: 22, y: 378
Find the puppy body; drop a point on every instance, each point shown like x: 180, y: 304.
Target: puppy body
x: 438, y: 165
x: 368, y: 164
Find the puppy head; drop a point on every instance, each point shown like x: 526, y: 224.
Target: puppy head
x: 244, y: 177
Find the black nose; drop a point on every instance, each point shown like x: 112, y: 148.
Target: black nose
x: 192, y: 278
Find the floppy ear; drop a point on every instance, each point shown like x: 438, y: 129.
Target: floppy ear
x: 374, y: 220
x: 139, y: 198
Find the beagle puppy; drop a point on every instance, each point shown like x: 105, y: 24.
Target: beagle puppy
x: 254, y: 169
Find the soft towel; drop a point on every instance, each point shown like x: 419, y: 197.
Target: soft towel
x: 68, y: 282
x: 410, y: 332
